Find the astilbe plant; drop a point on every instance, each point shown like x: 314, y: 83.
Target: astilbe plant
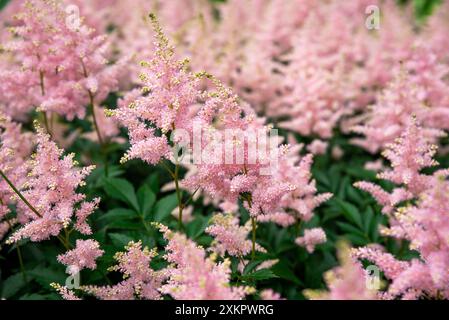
x: 57, y: 66
x: 421, y: 220
x: 139, y: 279
x: 169, y: 101
x: 50, y: 189
x: 15, y: 148
x: 193, y: 275
x: 243, y: 197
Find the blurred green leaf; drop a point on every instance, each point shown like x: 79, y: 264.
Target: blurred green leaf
x: 146, y: 199
x: 164, y: 207
x: 121, y: 189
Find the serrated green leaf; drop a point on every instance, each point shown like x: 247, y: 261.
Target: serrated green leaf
x: 146, y: 199
x: 350, y: 212
x: 262, y: 274
x: 46, y: 275
x: 282, y: 270
x: 120, y: 240
x: 122, y: 190
x: 196, y: 228
x: 164, y: 207
x: 12, y: 285
x: 117, y: 214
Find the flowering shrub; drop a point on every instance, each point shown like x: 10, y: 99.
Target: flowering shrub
x: 234, y: 156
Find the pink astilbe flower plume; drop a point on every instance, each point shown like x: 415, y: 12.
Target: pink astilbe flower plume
x: 387, y: 119
x: 229, y: 236
x: 168, y: 92
x: 311, y: 238
x: 193, y: 275
x: 51, y: 190
x: 61, y: 67
x: 410, y: 153
x: 15, y: 149
x: 140, y: 280
x: 425, y: 224
x: 83, y: 256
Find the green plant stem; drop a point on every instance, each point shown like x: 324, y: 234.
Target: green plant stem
x: 95, y: 122
x: 44, y: 114
x: 19, y: 194
x: 253, y: 252
x: 179, y: 196
x: 19, y: 252
x: 254, y: 227
x: 22, y: 266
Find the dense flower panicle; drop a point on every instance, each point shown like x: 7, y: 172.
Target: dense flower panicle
x: 59, y: 65
x: 51, y: 188
x: 424, y: 225
x: 311, y: 238
x: 65, y: 292
x: 229, y: 236
x: 408, y: 156
x: 172, y: 99
x: 194, y: 276
x: 317, y: 147
x: 167, y: 94
x: 15, y: 148
x: 140, y: 280
x: 83, y: 256
x: 346, y: 282
x: 419, y: 87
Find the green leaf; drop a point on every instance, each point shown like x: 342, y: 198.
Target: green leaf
x: 45, y: 275
x: 350, y: 212
x: 120, y: 240
x: 153, y: 182
x: 122, y: 190
x: 282, y: 270
x: 164, y: 207
x: 367, y: 218
x: 12, y: 285
x: 262, y: 274
x: 146, y: 199
x: 251, y: 266
x: 117, y: 214
x: 196, y: 228
x: 350, y: 229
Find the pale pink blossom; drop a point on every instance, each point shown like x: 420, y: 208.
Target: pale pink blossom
x: 312, y: 237
x: 140, y: 281
x: 194, y: 276
x: 51, y: 189
x: 229, y: 236
x: 83, y: 256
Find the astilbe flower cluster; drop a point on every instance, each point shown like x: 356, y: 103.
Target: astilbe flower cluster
x: 57, y: 66
x: 15, y: 148
x: 172, y: 99
x: 83, y: 256
x: 51, y: 191
x: 312, y: 237
x: 229, y: 236
x: 423, y: 223
x: 140, y: 281
x: 194, y: 276
x: 165, y: 100
x: 419, y: 89
x: 410, y: 153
